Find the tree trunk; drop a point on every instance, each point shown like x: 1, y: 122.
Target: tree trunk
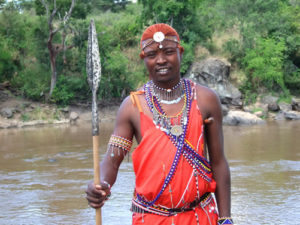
x: 53, y: 74
x: 54, y: 49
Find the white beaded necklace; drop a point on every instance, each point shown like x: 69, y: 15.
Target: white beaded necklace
x: 168, y: 96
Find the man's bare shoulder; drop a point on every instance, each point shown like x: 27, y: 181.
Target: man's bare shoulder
x: 206, y: 93
x: 126, y: 105
x: 208, y: 101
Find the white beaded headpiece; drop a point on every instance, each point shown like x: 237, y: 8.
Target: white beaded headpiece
x: 159, y: 37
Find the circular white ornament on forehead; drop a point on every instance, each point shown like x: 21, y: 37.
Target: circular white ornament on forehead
x: 158, y: 36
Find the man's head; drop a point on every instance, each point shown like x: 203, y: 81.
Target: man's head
x: 156, y: 34
x: 161, y: 51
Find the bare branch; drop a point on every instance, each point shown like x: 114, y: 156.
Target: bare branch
x: 68, y: 14
x: 46, y: 7
x: 59, y: 16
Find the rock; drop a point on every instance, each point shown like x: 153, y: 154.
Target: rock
x: 296, y: 104
x: 224, y: 110
x: 28, y: 109
x: 292, y: 115
x: 259, y: 109
x: 285, y: 106
x: 73, y: 117
x: 235, y: 118
x: 269, y: 99
x: 274, y: 107
x: 259, y: 113
x: 26, y: 104
x: 214, y: 73
x: 279, y: 116
x: 4, y: 85
x: 272, y: 115
x: 7, y: 112
x: 65, y: 109
x: 32, y: 106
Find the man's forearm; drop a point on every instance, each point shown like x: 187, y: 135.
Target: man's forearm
x: 222, y: 177
x: 109, y: 171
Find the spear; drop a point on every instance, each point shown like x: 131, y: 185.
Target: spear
x: 93, y: 68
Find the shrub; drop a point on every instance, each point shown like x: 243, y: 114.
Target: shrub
x: 33, y: 80
x: 69, y: 88
x: 188, y: 57
x: 233, y: 47
x: 115, y: 83
x: 264, y: 64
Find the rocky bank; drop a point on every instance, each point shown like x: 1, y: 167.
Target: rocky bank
x: 215, y: 74
x: 18, y: 113
x: 211, y: 72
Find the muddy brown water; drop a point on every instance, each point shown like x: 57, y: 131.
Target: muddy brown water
x: 44, y: 172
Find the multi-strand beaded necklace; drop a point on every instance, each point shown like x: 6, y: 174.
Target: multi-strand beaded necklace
x: 171, y: 125
x: 169, y: 96
x: 176, y: 132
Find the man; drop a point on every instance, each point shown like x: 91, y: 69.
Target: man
x: 173, y: 120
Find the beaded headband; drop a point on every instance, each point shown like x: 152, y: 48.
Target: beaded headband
x: 157, y: 33
x: 159, y: 37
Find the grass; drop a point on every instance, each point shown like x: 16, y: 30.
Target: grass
x: 40, y: 113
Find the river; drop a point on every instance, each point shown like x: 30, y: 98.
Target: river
x: 44, y: 172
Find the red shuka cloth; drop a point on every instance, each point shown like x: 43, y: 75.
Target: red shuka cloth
x: 152, y: 160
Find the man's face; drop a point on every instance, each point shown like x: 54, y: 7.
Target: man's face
x: 163, y: 63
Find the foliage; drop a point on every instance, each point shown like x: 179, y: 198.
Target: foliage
x: 2, y: 3
x: 234, y: 50
x: 264, y: 64
x: 267, y: 47
x: 115, y: 83
x: 33, y: 80
x: 292, y: 80
x: 69, y: 89
x: 188, y: 57
x: 113, y: 5
x: 192, y: 25
x: 7, y: 66
x: 39, y: 113
x: 81, y: 9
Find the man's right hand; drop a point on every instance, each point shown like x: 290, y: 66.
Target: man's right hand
x: 96, y: 195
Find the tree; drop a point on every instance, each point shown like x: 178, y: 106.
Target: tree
x: 61, y: 26
x: 264, y: 64
x: 180, y: 14
x: 80, y: 10
x: 2, y: 3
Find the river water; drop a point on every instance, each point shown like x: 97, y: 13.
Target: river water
x: 44, y: 172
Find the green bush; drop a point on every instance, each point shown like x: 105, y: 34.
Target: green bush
x: 114, y: 82
x: 188, y: 57
x: 70, y: 88
x: 234, y: 50
x: 33, y: 80
x: 264, y: 64
x: 292, y: 81
x: 7, y: 66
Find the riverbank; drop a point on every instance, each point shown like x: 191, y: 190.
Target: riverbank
x: 16, y: 112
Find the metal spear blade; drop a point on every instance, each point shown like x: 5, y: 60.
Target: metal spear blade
x: 93, y: 69
x: 93, y: 66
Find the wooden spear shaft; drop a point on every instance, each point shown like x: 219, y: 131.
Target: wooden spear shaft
x: 93, y: 68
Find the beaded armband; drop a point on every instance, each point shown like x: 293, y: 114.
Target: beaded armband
x: 119, y: 143
x: 225, y: 220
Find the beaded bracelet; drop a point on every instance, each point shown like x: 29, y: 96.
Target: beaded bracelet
x: 225, y: 220
x: 119, y: 143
